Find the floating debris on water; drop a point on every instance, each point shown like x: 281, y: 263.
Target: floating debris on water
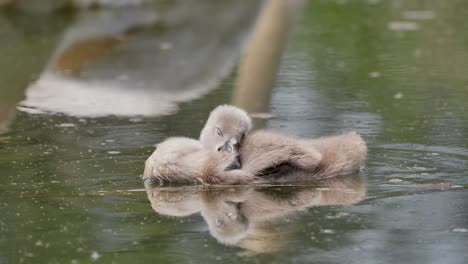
x: 95, y: 256
x: 327, y: 231
x: 398, y: 96
x: 420, y: 168
x: 123, y: 77
x: 418, y: 14
x: 135, y: 119
x: 66, y: 125
x: 262, y: 115
x: 395, y: 180
x: 338, y: 215
x: 403, y: 26
x: 459, y: 230
x: 165, y: 46
x: 425, y: 185
x: 374, y: 74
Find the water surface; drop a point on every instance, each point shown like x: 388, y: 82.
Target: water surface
x: 395, y: 71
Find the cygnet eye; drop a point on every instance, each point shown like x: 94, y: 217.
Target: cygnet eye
x: 219, y: 132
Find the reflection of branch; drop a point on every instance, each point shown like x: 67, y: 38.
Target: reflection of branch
x: 259, y: 65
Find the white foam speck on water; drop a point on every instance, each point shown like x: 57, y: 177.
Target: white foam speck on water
x: 398, y: 96
x: 374, y: 74
x: 403, y: 26
x: 122, y: 77
x: 395, y: 180
x: 262, y: 115
x: 95, y: 256
x: 418, y: 14
x: 165, y: 45
x: 66, y: 125
x: 338, y: 215
x: 135, y: 119
x: 328, y: 231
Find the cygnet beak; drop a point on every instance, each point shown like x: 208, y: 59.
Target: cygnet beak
x: 228, y: 147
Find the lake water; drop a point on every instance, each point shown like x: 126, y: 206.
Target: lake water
x: 394, y: 71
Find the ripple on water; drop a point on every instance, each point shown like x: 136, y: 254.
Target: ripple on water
x: 418, y: 164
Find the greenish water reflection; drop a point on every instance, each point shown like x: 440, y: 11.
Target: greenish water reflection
x: 65, y: 192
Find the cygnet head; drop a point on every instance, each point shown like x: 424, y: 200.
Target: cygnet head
x: 225, y: 128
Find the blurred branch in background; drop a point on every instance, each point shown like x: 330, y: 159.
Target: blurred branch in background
x: 261, y: 59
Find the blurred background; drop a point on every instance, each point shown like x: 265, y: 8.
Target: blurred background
x: 87, y: 87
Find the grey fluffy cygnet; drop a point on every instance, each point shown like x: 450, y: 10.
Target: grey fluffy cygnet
x: 185, y: 160
x: 226, y: 155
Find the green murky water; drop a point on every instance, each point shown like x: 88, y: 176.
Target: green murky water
x: 395, y: 71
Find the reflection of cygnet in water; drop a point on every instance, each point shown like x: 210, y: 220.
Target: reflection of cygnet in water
x: 250, y: 218
x: 185, y: 160
x: 224, y: 218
